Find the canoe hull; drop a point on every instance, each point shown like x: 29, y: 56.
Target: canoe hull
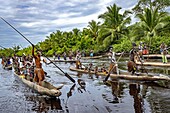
x: 155, y: 56
x: 45, y: 89
x: 126, y: 77
x: 94, y: 57
x: 8, y: 67
x: 69, y: 61
x: 159, y: 64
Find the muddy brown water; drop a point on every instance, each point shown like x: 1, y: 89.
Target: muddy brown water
x: 94, y: 97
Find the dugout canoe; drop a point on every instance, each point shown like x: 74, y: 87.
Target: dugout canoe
x: 9, y: 67
x: 69, y: 61
x: 125, y: 76
x: 159, y: 64
x: 66, y: 61
x: 46, y: 88
x: 155, y: 56
x: 94, y: 57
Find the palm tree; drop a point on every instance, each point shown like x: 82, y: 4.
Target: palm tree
x: 16, y: 48
x: 142, y: 4
x: 94, y: 28
x: 114, y: 26
x: 153, y: 21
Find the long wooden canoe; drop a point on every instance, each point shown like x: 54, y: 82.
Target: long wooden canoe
x: 69, y: 61
x: 9, y: 67
x: 94, y: 57
x: 160, y: 64
x: 155, y: 56
x: 45, y: 89
x: 125, y: 76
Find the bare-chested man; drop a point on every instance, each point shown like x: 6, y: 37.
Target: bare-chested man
x: 39, y: 75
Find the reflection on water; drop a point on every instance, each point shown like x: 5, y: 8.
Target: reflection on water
x: 88, y: 95
x: 44, y: 104
x: 159, y: 100
x: 115, y: 86
x: 82, y: 85
x: 134, y: 90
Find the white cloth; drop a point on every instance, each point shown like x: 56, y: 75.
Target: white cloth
x: 78, y: 56
x: 112, y: 57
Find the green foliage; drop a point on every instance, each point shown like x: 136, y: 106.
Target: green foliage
x: 6, y: 52
x: 157, y: 42
x: 114, y: 25
x: 50, y: 52
x: 153, y: 28
x: 124, y: 45
x: 26, y: 51
x: 142, y: 4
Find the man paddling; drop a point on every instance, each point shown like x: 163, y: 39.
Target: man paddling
x: 39, y: 75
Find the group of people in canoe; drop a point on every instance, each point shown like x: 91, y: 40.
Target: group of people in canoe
x: 29, y: 66
x: 70, y: 55
x: 142, y: 50
x: 136, y: 54
x: 90, y: 67
x: 58, y: 56
x: 6, y: 61
x: 32, y: 66
x: 113, y: 66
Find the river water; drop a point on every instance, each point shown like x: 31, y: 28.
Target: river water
x: 117, y: 97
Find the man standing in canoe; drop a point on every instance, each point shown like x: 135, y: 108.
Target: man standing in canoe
x: 131, y: 64
x: 39, y: 75
x: 91, y: 53
x: 164, y: 58
x: 78, y: 57
x: 113, y: 68
x: 164, y: 52
x: 140, y: 51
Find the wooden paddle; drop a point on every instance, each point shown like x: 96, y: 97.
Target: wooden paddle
x: 69, y: 77
x: 112, y: 68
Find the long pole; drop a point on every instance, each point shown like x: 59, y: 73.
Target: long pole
x: 113, y: 68
x: 66, y: 74
x: 139, y: 59
x: 2, y: 47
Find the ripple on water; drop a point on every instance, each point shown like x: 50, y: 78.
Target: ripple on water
x: 15, y: 97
